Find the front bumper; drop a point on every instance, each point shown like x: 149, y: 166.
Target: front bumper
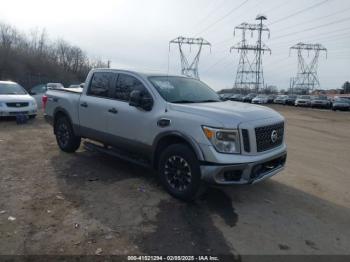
x: 280, y: 102
x: 321, y: 105
x: 246, y: 173
x: 302, y: 103
x: 18, y: 111
x: 341, y: 107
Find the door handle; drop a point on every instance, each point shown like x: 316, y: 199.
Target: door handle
x: 113, y: 111
x: 84, y: 104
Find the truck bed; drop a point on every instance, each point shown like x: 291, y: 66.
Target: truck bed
x: 69, y: 90
x: 68, y: 99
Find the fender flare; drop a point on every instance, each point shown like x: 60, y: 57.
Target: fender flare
x: 194, y: 145
x: 65, y: 112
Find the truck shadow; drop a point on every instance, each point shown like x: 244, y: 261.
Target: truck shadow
x: 129, y: 200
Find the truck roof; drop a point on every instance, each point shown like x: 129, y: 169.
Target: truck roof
x: 142, y: 73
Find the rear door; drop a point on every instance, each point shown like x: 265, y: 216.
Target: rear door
x: 94, y: 106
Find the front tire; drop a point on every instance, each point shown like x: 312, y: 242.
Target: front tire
x: 65, y: 137
x: 179, y: 172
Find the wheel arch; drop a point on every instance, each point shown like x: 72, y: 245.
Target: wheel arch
x: 165, y: 139
x: 59, y: 112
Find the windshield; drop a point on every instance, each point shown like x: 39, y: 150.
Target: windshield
x: 11, y: 89
x: 342, y: 100
x: 176, y: 89
x: 320, y: 98
x: 55, y: 85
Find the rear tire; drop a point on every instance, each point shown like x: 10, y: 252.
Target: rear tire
x: 65, y: 137
x: 179, y: 172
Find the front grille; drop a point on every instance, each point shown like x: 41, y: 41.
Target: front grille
x: 18, y: 104
x: 264, y: 140
x: 18, y: 113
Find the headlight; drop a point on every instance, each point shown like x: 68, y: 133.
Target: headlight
x: 33, y: 103
x: 224, y: 140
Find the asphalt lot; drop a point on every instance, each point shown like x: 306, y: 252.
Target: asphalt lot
x: 88, y: 203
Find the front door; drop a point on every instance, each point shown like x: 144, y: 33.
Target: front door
x: 131, y: 126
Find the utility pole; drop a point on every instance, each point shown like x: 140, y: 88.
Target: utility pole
x: 307, y: 76
x: 189, y: 68
x: 250, y: 71
x: 259, y: 62
x: 109, y: 64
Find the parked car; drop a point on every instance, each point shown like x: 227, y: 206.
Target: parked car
x: 260, y: 99
x: 54, y: 86
x: 304, y: 100
x: 248, y: 98
x: 225, y: 97
x: 271, y: 98
x: 174, y: 124
x: 291, y: 100
x: 237, y: 98
x: 281, y: 99
x: 39, y: 90
x: 320, y: 102
x: 14, y: 100
x: 341, y: 104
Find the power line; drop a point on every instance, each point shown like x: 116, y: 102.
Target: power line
x: 299, y: 12
x: 274, y: 8
x: 319, y: 18
x: 215, y: 64
x: 324, y: 36
x: 313, y: 20
x: 216, y: 8
x: 312, y: 28
x: 222, y: 18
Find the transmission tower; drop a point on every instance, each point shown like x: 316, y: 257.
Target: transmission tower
x: 187, y: 68
x: 250, y: 74
x: 307, y: 77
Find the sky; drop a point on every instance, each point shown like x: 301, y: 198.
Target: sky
x: 135, y: 34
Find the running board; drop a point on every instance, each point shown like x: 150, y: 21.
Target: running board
x: 117, y: 153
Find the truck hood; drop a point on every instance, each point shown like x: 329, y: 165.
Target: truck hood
x: 229, y: 113
x: 16, y: 98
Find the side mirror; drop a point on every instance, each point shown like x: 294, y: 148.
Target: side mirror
x: 140, y: 100
x: 32, y: 93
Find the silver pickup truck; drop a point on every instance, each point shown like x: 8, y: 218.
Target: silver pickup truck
x: 173, y: 124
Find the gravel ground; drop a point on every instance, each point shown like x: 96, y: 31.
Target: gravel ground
x: 87, y: 203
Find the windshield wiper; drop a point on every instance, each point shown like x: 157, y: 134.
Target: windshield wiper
x: 209, y: 101
x: 183, y: 102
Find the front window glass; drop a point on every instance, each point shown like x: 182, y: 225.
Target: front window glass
x: 125, y: 85
x: 320, y: 98
x: 176, y: 89
x: 11, y: 89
